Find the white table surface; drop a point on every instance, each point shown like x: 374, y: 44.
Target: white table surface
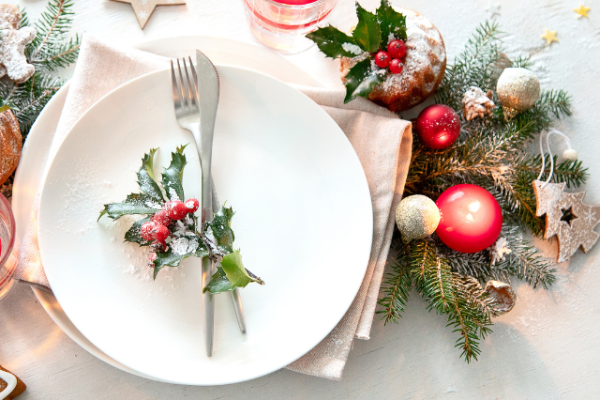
x: 548, y: 347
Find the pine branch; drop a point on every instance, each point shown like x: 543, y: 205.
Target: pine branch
x: 53, y: 24
x: 397, y: 285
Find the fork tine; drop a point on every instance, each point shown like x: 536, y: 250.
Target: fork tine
x: 185, y: 98
x: 195, y: 79
x: 176, y: 95
x: 190, y: 87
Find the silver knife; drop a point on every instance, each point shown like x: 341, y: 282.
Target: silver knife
x: 208, y: 96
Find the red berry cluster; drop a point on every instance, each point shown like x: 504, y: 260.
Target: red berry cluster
x: 396, y: 50
x: 157, y: 229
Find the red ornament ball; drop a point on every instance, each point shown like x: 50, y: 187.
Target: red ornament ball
x: 471, y: 218
x: 438, y: 126
x: 396, y: 66
x: 396, y: 48
x: 382, y: 59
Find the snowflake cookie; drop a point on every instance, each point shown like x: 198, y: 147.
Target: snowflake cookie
x: 12, y: 46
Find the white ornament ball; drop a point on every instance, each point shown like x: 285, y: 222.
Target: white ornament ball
x: 570, y: 154
x: 417, y: 217
x: 518, y: 89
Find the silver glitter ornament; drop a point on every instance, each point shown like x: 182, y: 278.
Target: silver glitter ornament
x: 417, y: 217
x: 518, y: 90
x: 503, y: 294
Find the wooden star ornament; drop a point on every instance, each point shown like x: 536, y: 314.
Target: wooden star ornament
x: 552, y: 201
x: 582, y: 11
x: 143, y: 9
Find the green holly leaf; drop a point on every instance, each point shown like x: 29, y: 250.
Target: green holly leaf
x: 136, y: 203
x: 392, y: 23
x: 367, y: 34
x: 219, y: 283
x: 173, y: 257
x: 334, y: 43
x: 220, y: 228
x: 172, y: 176
x: 133, y: 234
x: 146, y: 178
x: 360, y: 80
x: 231, y: 274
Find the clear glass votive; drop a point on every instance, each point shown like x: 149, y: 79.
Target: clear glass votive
x: 9, y: 254
x: 283, y: 24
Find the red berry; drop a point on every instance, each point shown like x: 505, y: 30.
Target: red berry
x: 382, y: 59
x: 396, y: 48
x: 152, y: 257
x: 162, y: 218
x: 396, y: 66
x: 192, y: 205
x: 146, y: 230
x: 176, y: 210
x: 161, y: 232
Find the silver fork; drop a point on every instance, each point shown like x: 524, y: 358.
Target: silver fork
x: 187, y: 111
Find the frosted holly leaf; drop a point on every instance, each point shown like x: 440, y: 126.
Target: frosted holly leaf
x: 172, y: 257
x: 392, y: 23
x: 172, y: 177
x: 361, y: 78
x: 219, y: 230
x: 133, y: 235
x: 367, y: 33
x: 333, y: 42
x: 136, y: 203
x: 146, y: 178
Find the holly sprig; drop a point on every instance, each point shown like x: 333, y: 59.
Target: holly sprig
x: 214, y: 239
x: 372, y: 32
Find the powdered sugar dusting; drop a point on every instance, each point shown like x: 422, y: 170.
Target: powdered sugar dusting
x: 352, y: 48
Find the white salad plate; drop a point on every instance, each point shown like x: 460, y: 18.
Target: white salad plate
x: 35, y: 152
x: 303, y: 222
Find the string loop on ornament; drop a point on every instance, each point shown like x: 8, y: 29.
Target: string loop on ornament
x: 548, y: 133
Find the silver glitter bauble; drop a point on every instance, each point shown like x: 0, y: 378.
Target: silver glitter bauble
x: 417, y: 217
x: 503, y: 294
x: 518, y: 90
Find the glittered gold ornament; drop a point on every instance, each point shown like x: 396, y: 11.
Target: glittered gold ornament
x: 518, y: 90
x: 503, y: 295
x: 417, y: 217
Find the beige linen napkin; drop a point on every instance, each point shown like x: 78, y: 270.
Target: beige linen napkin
x: 381, y: 140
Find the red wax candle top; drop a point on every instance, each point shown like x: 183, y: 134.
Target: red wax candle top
x: 471, y: 218
x: 295, y: 2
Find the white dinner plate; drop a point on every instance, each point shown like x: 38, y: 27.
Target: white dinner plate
x: 303, y: 222
x: 35, y: 150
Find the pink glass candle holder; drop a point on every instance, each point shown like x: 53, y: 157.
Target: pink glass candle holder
x: 9, y: 254
x: 283, y: 24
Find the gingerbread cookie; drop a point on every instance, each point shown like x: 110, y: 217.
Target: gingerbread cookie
x: 12, y: 46
x: 11, y: 143
x: 10, y: 385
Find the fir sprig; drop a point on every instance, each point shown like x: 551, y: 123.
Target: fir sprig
x: 490, y: 152
x: 50, y: 50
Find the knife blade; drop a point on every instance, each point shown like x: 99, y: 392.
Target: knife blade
x: 208, y: 98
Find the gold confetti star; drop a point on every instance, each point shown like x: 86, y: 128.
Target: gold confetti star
x: 143, y: 9
x: 582, y: 11
x: 550, y: 36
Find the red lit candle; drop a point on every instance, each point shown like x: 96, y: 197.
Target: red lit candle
x: 471, y: 218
